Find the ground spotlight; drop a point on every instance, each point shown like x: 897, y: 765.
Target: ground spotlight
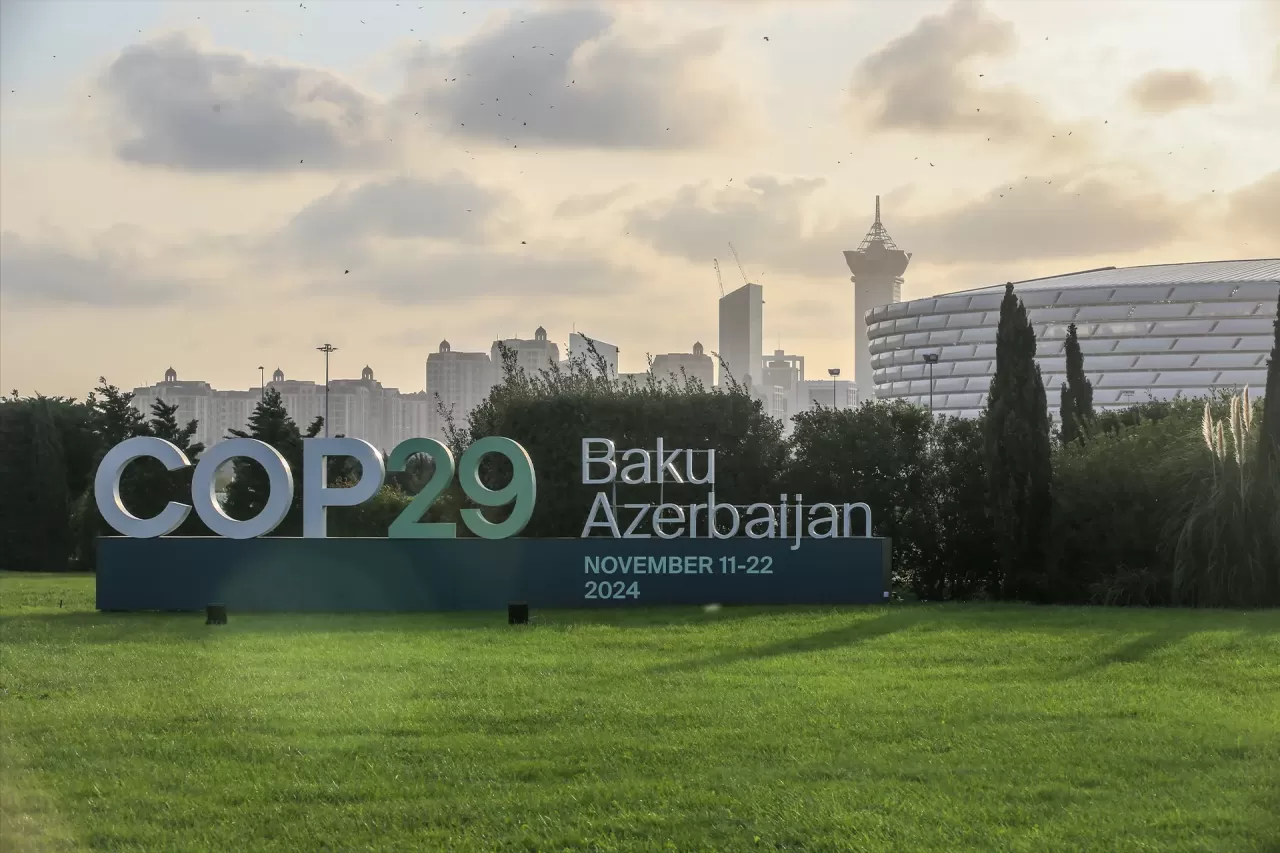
x: 215, y: 614
x: 518, y: 613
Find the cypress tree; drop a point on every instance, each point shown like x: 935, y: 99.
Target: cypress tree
x: 1269, y: 439
x: 1077, y: 392
x: 1019, y: 470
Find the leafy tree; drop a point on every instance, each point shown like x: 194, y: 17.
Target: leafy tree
x: 21, y: 546
x: 250, y: 488
x: 924, y: 480
x: 1077, y: 392
x: 49, y: 472
x: 47, y: 451
x: 1018, y: 453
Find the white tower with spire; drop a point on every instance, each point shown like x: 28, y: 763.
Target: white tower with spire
x: 877, y: 266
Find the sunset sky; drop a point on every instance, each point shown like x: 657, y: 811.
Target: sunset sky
x: 214, y: 186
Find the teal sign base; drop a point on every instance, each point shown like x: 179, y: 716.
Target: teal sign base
x: 400, y: 575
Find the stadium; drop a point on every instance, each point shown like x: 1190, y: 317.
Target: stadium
x: 1149, y: 332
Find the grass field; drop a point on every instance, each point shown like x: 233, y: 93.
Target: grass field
x: 905, y: 728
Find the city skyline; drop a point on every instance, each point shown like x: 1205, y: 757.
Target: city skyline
x: 154, y: 212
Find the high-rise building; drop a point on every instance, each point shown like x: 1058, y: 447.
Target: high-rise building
x: 363, y: 408
x: 359, y: 408
x: 830, y: 393
x: 640, y: 378
x: 196, y: 401
x: 782, y: 377
x: 695, y: 365
x: 302, y: 399
x: 532, y: 355
x: 877, y: 266
x: 412, y: 414
x: 580, y: 346
x: 462, y: 381
x: 742, y: 333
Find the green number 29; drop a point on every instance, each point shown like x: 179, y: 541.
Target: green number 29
x: 522, y: 490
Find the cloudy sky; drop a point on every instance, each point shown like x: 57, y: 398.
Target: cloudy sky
x: 219, y: 185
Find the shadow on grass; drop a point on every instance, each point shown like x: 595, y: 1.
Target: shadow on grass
x: 1135, y: 650
x: 107, y: 627
x: 894, y: 620
x: 89, y: 626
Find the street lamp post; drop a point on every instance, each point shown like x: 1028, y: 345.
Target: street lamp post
x: 834, y: 373
x: 931, y: 358
x: 262, y: 381
x: 326, y: 349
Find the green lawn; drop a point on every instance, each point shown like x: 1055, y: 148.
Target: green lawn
x: 904, y: 728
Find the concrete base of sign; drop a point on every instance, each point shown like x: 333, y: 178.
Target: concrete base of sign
x: 375, y: 575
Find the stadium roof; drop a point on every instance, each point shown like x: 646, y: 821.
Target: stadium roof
x: 1207, y: 272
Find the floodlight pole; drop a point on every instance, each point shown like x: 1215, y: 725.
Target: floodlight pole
x: 931, y: 358
x: 834, y: 373
x: 326, y: 349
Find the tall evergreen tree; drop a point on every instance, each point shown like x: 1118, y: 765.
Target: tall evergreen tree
x: 249, y: 489
x: 114, y: 419
x: 1269, y: 437
x: 1019, y: 468
x: 1077, y: 392
x: 155, y: 486
x: 115, y: 416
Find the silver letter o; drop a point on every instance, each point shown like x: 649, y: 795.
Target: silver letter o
x: 279, y: 499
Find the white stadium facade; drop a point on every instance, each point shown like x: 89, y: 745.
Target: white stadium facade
x: 1148, y: 332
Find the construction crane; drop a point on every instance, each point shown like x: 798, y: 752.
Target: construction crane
x: 719, y: 280
x: 740, y: 271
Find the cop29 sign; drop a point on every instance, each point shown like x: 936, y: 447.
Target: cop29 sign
x: 600, y: 459
x: 317, y: 496
x: 627, y: 553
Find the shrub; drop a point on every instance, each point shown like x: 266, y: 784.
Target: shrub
x: 550, y: 412
x: 1115, y: 495
x: 875, y: 454
x: 958, y: 556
